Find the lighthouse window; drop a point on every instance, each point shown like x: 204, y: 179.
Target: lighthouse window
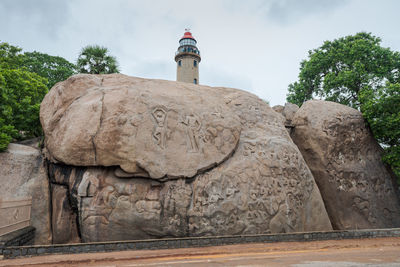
x: 187, y: 42
x: 179, y: 63
x: 195, y: 63
x: 195, y: 81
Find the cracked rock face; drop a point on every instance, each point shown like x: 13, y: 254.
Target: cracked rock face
x: 148, y: 158
x: 149, y: 128
x: 345, y: 160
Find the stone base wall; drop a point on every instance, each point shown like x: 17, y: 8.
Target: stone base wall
x: 21, y: 237
x: 172, y: 243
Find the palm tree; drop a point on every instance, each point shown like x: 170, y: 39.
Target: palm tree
x: 95, y: 59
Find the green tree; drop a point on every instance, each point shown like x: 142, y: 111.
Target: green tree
x: 358, y: 72
x: 381, y: 109
x: 340, y: 69
x: 21, y: 93
x: 53, y: 68
x: 7, y: 131
x: 10, y: 56
x: 95, y: 59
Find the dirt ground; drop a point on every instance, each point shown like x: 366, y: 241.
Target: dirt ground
x: 356, y: 252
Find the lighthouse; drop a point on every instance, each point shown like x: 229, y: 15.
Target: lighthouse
x: 187, y: 59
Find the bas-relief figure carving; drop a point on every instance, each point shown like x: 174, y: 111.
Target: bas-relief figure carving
x: 150, y: 125
x: 166, y: 159
x: 160, y: 131
x: 193, y: 126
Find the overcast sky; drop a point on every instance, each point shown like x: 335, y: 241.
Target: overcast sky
x: 253, y: 45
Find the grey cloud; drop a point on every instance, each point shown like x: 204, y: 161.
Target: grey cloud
x: 217, y: 77
x: 253, y: 45
x: 155, y: 69
x: 38, y: 15
x: 290, y: 11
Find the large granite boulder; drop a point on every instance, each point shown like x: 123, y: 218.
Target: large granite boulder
x: 147, y: 127
x: 345, y: 159
x: 151, y: 158
x: 23, y: 179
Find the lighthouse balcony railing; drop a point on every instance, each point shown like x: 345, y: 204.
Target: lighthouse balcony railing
x: 187, y: 52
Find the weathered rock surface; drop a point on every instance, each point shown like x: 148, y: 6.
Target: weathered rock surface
x: 23, y: 176
x: 346, y: 163
x: 247, y: 176
x: 147, y: 127
x: 288, y: 111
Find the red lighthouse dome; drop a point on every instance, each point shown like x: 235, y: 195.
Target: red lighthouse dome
x: 188, y: 39
x: 187, y: 35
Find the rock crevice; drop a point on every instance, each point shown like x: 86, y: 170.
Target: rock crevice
x: 99, y: 126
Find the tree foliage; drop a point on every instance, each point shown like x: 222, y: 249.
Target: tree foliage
x: 53, y: 68
x: 358, y: 72
x: 381, y: 109
x: 10, y: 56
x: 21, y: 93
x: 340, y: 69
x: 95, y: 59
x: 7, y: 131
x: 23, y: 80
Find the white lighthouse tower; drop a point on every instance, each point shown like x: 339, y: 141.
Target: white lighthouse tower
x: 187, y: 59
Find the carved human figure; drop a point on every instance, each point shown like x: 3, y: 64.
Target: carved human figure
x: 193, y: 126
x: 159, y: 133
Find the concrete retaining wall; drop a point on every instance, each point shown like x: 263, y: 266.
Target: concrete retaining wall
x: 16, y: 238
x: 13, y: 252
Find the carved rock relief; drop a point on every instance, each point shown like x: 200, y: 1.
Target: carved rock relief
x: 247, y: 198
x: 360, y: 179
x: 160, y: 128
x: 118, y: 209
x: 133, y: 123
x: 240, y: 199
x: 264, y: 187
x: 346, y: 163
x: 174, y: 162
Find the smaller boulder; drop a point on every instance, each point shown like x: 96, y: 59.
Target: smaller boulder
x: 357, y: 188
x: 289, y: 111
x: 278, y: 108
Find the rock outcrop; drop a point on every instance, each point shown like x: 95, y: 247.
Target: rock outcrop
x: 23, y: 176
x: 150, y: 158
x: 345, y: 160
x: 148, y: 128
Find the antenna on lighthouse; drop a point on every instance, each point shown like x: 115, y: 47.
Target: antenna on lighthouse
x: 187, y: 29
